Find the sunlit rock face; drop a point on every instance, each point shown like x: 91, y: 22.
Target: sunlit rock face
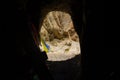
x: 58, y: 32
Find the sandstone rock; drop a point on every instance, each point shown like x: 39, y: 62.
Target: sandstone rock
x: 59, y: 33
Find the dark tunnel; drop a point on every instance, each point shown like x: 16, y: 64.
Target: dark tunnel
x: 30, y: 66
x: 30, y: 13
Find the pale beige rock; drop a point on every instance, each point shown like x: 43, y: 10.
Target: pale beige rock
x: 59, y: 33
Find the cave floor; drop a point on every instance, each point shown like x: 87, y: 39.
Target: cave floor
x: 65, y: 70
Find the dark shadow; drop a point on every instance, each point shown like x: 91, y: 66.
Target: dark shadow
x: 70, y: 69
x: 65, y: 70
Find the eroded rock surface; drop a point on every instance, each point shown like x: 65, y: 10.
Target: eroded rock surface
x: 58, y: 32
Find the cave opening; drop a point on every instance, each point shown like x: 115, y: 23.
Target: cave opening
x: 62, y: 42
x: 58, y: 36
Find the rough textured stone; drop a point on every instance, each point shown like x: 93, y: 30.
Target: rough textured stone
x: 58, y: 31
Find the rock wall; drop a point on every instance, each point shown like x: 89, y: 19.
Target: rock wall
x: 57, y: 29
x: 58, y: 25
